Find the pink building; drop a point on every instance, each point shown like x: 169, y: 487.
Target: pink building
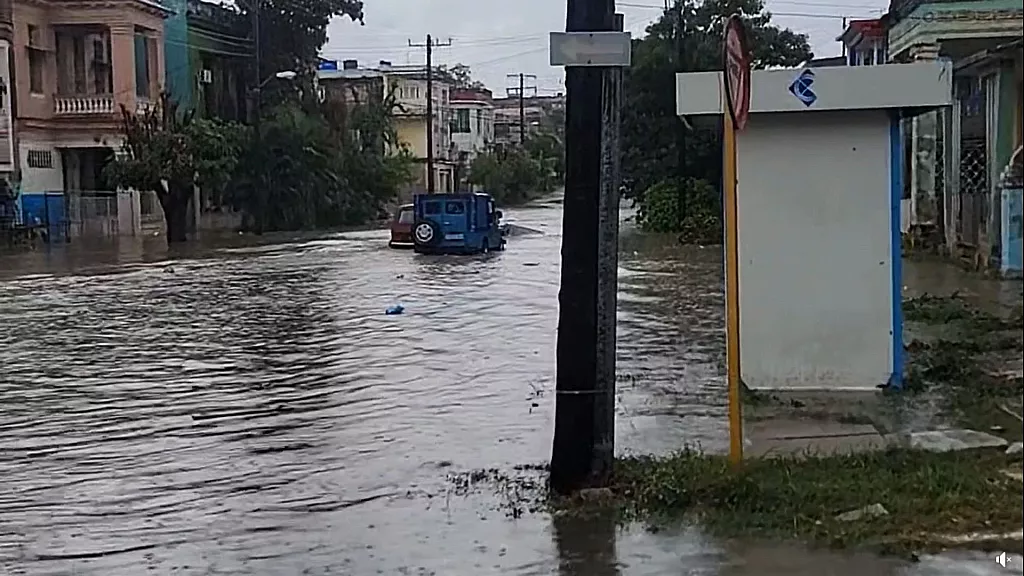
x: 77, y: 63
x: 7, y: 165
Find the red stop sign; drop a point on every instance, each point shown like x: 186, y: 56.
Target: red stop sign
x: 737, y: 71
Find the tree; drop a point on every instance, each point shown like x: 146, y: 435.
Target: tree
x: 514, y: 174
x: 291, y: 34
x: 170, y: 153
x: 548, y: 148
x: 649, y: 124
x: 333, y: 165
x: 461, y: 76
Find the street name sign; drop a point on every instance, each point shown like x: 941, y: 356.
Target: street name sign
x: 601, y: 49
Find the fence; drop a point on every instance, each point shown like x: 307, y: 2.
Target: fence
x: 63, y: 216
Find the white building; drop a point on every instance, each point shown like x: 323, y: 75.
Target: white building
x: 472, y: 122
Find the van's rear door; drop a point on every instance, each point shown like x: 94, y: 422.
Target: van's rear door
x: 455, y: 220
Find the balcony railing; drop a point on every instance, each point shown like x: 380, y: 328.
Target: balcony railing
x: 83, y: 105
x: 144, y: 105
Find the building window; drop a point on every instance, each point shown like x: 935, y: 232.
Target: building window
x: 461, y: 124
x: 479, y: 121
x: 143, y: 74
x: 36, y: 59
x: 39, y: 159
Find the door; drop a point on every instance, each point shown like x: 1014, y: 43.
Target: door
x: 480, y: 206
x: 995, y: 217
x: 455, y: 220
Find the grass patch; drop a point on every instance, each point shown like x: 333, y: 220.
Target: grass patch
x: 800, y: 498
x: 926, y: 496
x: 962, y: 365
x: 935, y: 310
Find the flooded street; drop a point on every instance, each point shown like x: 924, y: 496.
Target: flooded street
x: 252, y: 410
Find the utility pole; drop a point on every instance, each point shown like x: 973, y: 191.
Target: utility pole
x: 257, y: 98
x: 681, y: 123
x: 522, y: 100
x: 584, y: 442
x: 430, y: 45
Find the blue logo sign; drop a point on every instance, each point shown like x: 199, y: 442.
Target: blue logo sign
x: 801, y: 88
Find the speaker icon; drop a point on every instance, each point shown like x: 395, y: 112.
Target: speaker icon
x: 1001, y: 559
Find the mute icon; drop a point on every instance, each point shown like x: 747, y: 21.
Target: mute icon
x: 1001, y: 559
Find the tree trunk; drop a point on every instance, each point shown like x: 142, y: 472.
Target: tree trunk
x: 175, y: 207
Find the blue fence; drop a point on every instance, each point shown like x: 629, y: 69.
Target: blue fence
x: 46, y: 210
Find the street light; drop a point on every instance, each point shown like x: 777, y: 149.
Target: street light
x: 257, y: 92
x: 282, y: 75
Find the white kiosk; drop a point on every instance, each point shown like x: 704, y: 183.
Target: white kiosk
x: 819, y: 171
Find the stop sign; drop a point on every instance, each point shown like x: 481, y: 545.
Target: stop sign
x: 737, y: 71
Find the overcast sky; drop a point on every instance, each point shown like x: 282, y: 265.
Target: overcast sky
x: 500, y: 38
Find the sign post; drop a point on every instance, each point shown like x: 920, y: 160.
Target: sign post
x: 737, y: 95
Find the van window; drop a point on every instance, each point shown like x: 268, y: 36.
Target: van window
x: 432, y: 208
x: 406, y: 216
x: 455, y: 208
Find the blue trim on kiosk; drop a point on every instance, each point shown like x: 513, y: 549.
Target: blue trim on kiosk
x: 896, y: 265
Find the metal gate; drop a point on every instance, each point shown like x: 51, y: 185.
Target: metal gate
x: 971, y: 203
x: 92, y: 214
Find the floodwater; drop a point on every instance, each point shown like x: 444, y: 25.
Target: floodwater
x: 250, y: 409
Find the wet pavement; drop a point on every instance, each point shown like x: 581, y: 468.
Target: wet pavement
x: 250, y: 409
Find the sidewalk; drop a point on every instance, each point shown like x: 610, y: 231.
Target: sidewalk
x: 965, y: 352
x: 793, y: 423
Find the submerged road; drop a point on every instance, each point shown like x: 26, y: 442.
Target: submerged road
x: 250, y: 409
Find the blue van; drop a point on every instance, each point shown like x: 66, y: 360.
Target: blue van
x: 456, y: 224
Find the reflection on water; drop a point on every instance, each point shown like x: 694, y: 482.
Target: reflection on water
x: 249, y: 408
x: 586, y: 545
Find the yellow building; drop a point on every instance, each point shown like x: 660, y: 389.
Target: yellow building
x: 408, y: 86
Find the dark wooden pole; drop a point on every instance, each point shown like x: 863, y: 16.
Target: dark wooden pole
x: 583, y: 447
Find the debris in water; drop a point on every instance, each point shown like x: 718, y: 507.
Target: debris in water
x: 395, y: 310
x: 873, y: 510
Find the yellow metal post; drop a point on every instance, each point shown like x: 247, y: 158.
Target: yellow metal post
x: 732, y: 292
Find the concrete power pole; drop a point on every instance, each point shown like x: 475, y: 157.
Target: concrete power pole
x: 430, y: 45
x: 522, y: 100
x: 584, y: 442
x: 257, y: 98
x: 681, y: 127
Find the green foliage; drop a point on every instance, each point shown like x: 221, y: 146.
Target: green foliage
x: 461, y: 76
x: 689, y: 206
x: 549, y: 149
x: 329, y: 168
x: 170, y: 152
x: 307, y: 169
x: 514, y: 174
x: 292, y: 32
x: 650, y: 127
x: 311, y: 164
x: 926, y: 495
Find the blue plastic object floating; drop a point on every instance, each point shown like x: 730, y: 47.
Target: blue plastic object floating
x: 395, y: 310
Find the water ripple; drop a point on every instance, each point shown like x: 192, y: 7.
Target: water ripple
x: 250, y: 409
